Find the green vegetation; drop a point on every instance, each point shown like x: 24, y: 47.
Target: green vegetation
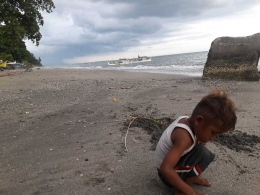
x: 20, y: 20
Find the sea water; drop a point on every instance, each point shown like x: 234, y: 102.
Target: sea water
x: 188, y: 64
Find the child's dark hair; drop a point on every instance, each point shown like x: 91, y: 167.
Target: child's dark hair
x: 217, y: 106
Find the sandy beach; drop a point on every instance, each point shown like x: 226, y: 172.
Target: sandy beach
x: 63, y: 133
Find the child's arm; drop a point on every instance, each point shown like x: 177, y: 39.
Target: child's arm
x: 182, y: 141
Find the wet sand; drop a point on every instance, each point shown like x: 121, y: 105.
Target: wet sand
x: 63, y: 133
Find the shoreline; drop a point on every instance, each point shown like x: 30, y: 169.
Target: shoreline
x: 90, y: 72
x: 189, y: 73
x: 63, y: 133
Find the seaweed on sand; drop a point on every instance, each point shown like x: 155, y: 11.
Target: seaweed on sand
x: 237, y: 140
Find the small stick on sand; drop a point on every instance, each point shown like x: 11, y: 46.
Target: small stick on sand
x: 128, y: 131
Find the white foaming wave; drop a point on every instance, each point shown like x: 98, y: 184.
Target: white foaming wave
x: 46, y: 67
x: 191, y: 74
x: 171, y: 67
x: 138, y: 67
x: 193, y: 71
x: 72, y: 67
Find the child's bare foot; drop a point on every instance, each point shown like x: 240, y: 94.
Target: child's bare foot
x: 202, y: 181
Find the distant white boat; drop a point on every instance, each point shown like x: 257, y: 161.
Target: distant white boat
x: 125, y: 61
x: 143, y: 59
x: 119, y: 62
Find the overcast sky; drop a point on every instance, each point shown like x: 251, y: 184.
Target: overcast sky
x: 93, y: 30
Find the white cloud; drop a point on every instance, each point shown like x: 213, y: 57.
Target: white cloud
x: 80, y: 31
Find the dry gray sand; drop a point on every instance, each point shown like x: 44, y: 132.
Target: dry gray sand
x: 62, y: 133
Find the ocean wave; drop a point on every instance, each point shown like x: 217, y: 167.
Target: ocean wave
x: 192, y: 74
x: 185, y: 64
x: 73, y: 67
x: 170, y: 67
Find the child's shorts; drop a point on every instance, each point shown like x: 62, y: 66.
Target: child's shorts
x: 192, y: 164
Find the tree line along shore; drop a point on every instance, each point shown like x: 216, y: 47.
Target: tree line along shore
x: 20, y: 21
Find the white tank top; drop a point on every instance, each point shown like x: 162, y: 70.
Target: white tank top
x: 165, y: 144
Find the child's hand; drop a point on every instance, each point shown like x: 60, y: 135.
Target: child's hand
x: 177, y: 192
x: 195, y: 192
x: 199, y: 192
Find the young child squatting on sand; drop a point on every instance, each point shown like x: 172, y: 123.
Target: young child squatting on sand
x: 180, y: 154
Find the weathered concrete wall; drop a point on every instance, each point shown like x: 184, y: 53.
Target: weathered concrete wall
x: 233, y: 58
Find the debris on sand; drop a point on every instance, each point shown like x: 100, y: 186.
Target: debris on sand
x: 237, y: 140
x: 152, y: 126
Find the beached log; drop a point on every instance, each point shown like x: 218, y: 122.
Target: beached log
x: 233, y: 58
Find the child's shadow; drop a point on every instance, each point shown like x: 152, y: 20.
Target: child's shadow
x: 157, y: 187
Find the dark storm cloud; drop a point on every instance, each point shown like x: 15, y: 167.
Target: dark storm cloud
x: 101, y: 26
x: 176, y: 8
